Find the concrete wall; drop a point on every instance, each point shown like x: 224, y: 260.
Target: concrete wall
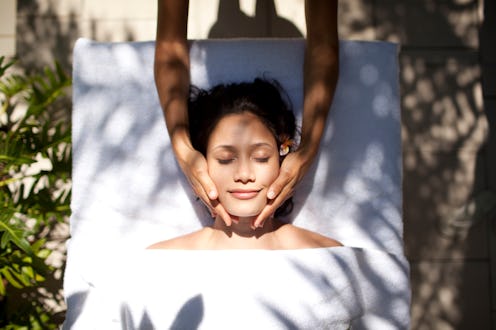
x: 448, y: 65
x: 8, y: 9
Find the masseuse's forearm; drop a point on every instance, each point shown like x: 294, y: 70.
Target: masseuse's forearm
x: 320, y: 70
x: 171, y: 69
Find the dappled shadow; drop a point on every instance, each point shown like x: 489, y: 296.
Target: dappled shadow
x: 128, y: 321
x: 357, y: 177
x: 233, y: 23
x: 343, y: 298
x: 76, y: 303
x: 130, y: 191
x: 43, y: 37
x: 328, y: 288
x: 190, y: 315
x: 444, y: 130
x: 120, y: 164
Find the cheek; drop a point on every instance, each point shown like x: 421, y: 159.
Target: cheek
x: 270, y: 173
x: 217, y: 174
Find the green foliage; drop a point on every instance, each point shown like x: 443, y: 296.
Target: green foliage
x: 35, y: 159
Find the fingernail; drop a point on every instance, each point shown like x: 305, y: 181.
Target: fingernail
x: 260, y: 225
x: 271, y: 194
x: 211, y: 194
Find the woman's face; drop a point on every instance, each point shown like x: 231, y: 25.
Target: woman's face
x: 243, y: 160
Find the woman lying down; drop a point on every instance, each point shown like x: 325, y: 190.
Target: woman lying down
x: 244, y: 131
x: 276, y: 276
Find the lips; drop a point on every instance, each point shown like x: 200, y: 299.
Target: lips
x: 244, y: 194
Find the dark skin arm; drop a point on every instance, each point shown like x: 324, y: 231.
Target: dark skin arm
x: 320, y: 78
x: 172, y: 80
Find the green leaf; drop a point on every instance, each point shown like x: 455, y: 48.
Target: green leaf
x: 12, y: 281
x: 22, y: 139
x: 14, y: 235
x: 2, y: 287
x: 4, y: 68
x: 13, y: 85
x: 17, y: 160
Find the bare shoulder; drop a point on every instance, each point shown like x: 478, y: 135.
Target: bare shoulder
x: 186, y: 242
x: 298, y: 238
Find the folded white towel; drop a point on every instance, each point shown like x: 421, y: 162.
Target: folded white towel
x: 327, y: 288
x: 128, y: 191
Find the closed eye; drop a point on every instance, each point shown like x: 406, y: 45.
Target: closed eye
x: 262, y: 159
x: 225, y: 161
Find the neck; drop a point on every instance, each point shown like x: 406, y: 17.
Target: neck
x: 241, y: 233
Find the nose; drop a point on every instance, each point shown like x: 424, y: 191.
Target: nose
x: 244, y: 172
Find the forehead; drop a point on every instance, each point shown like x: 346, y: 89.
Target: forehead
x: 242, y: 127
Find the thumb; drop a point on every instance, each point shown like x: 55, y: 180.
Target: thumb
x: 208, y: 186
x: 276, y: 187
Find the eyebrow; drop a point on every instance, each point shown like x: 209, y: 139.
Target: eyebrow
x: 233, y: 148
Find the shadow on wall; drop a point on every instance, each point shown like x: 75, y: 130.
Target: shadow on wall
x: 43, y: 36
x: 233, y: 23
x: 444, y: 130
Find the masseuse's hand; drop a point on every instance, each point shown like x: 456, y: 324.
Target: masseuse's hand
x: 293, y: 168
x: 171, y: 69
x: 320, y: 77
x: 194, y: 167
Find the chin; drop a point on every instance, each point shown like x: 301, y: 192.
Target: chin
x: 244, y: 213
x: 243, y: 208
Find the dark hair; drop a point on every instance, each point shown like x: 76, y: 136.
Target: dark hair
x: 261, y: 97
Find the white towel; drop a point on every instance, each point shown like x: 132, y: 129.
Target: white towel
x: 327, y: 288
x: 128, y: 191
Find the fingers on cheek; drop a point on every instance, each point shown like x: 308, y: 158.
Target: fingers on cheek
x: 212, y: 194
x: 286, y: 174
x: 197, y: 188
x: 271, y: 194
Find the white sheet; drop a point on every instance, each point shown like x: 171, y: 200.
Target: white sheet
x: 327, y: 288
x: 128, y: 191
